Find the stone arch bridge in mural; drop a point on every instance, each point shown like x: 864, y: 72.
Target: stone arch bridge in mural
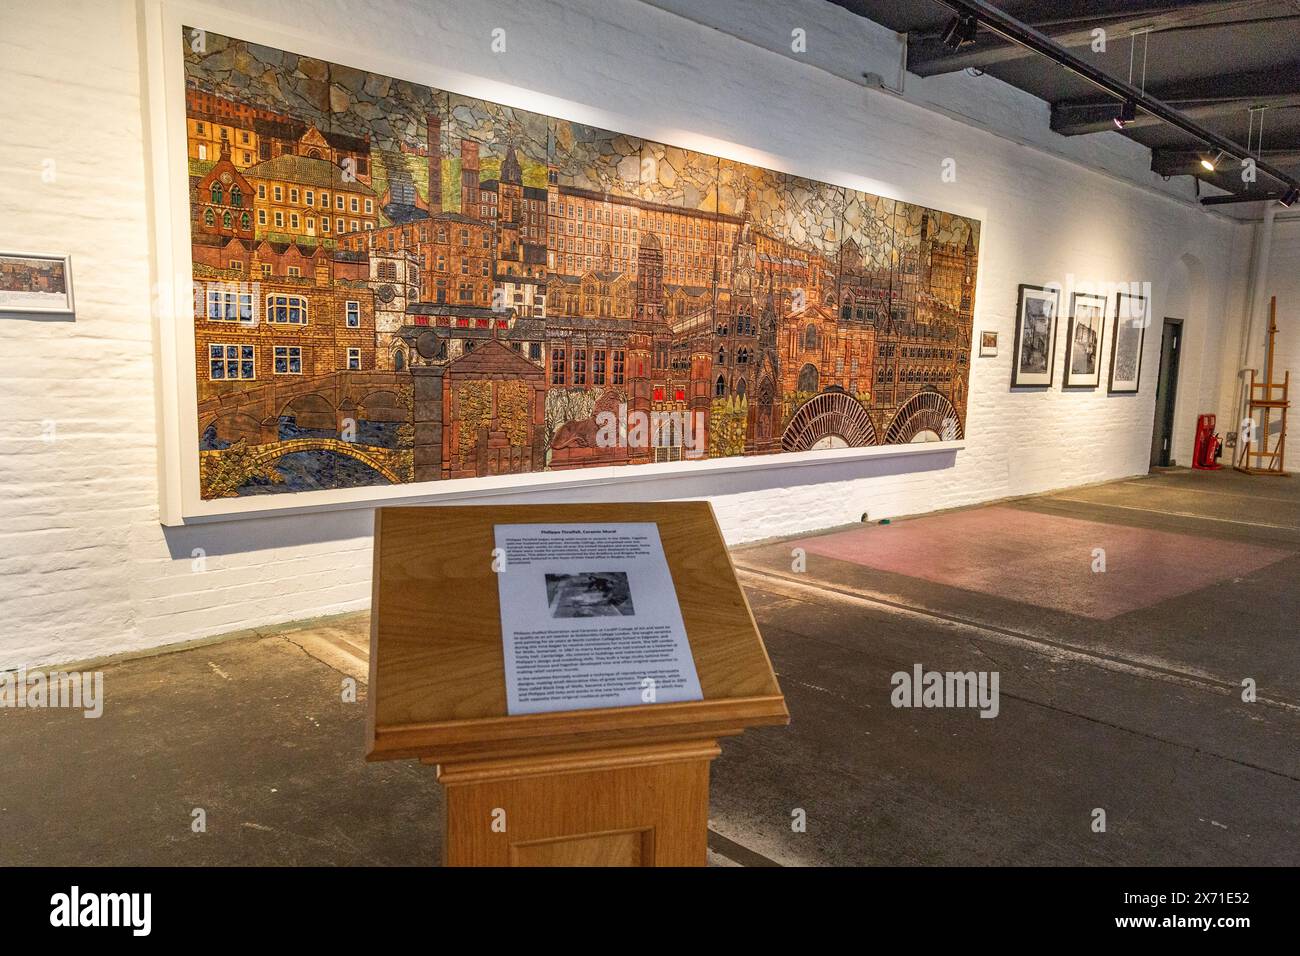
x: 835, y: 419
x: 250, y: 420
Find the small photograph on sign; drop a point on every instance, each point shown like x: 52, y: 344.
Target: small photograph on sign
x: 589, y: 594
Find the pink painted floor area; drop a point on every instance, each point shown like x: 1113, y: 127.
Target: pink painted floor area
x: 1046, y: 559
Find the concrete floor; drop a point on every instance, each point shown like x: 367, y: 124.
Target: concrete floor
x: 1119, y: 691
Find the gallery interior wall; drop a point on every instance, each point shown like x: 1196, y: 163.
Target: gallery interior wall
x: 87, y: 568
x: 1283, y: 282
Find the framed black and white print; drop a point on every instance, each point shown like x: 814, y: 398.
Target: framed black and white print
x: 1126, y: 342
x: 34, y: 284
x: 1083, y: 341
x: 1035, y: 336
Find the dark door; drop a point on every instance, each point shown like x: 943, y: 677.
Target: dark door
x: 1166, y: 391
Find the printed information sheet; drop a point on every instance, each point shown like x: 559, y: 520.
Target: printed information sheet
x: 589, y: 617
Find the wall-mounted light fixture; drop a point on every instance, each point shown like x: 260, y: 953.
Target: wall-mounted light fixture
x: 1210, y: 165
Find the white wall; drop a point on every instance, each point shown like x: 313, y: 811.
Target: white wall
x: 1283, y: 282
x: 85, y: 568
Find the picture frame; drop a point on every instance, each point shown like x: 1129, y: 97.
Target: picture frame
x: 36, y: 284
x: 1127, y: 339
x: 1084, y: 341
x: 988, y: 344
x: 1035, y: 347
x: 180, y: 498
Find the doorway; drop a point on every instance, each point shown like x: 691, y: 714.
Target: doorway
x: 1162, y: 434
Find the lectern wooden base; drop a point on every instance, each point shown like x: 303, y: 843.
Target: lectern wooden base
x: 625, y: 806
x: 618, y: 786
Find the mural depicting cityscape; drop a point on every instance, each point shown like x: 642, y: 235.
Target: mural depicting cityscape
x: 400, y: 284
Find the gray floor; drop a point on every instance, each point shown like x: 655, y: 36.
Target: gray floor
x: 1138, y: 714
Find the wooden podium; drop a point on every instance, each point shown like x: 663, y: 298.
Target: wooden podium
x: 625, y: 786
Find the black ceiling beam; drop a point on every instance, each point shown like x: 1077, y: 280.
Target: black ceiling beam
x: 1007, y: 26
x: 927, y: 55
x: 1240, y: 197
x: 1200, y: 98
x: 1187, y: 162
x: 1078, y: 119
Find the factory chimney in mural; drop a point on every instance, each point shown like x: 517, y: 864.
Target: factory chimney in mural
x: 433, y: 143
x: 468, y: 178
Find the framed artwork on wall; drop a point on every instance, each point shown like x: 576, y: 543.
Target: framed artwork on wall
x: 988, y: 344
x: 34, y: 284
x: 1035, y: 336
x: 419, y: 286
x: 1083, y: 341
x: 1126, y: 342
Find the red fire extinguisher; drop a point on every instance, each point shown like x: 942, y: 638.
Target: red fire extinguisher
x: 1208, y: 446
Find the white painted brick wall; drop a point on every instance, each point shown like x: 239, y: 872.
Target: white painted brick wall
x: 1284, y: 282
x: 85, y: 568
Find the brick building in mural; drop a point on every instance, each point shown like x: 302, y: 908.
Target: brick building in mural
x: 508, y: 298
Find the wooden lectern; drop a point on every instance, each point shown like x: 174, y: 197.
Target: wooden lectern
x: 625, y: 786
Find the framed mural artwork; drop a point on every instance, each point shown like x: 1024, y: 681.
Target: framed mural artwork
x: 1035, y: 336
x: 398, y: 284
x: 32, y: 284
x: 1126, y: 342
x: 1083, y: 341
x: 988, y: 344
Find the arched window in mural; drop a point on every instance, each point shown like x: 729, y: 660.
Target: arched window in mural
x: 236, y: 196
x: 808, y: 378
x: 720, y: 387
x: 399, y: 360
x: 740, y: 389
x: 810, y: 338
x: 216, y: 193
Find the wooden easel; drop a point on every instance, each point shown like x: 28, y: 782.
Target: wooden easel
x: 1262, y: 399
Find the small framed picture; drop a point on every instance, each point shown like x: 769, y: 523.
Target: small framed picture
x: 988, y: 344
x: 1035, y: 336
x: 1126, y: 341
x: 1083, y: 338
x: 33, y: 284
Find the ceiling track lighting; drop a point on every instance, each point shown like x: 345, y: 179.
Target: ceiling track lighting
x: 1290, y: 196
x: 998, y: 23
x: 960, y: 31
x: 1127, y: 114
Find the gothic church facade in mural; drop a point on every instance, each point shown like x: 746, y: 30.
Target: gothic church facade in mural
x: 400, y: 284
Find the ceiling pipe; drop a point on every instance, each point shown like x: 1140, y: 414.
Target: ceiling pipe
x: 1015, y: 31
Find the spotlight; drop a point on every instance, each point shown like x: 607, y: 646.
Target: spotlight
x: 1210, y: 165
x: 1127, y: 113
x: 1290, y: 196
x: 960, y: 31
